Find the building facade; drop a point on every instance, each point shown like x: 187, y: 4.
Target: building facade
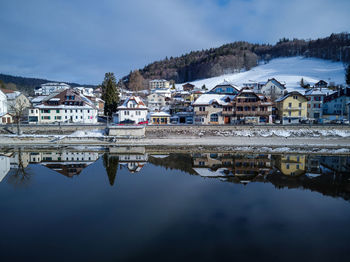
x: 133, y: 109
x: 159, y: 84
x: 273, y: 89
x: 315, y: 98
x: 67, y: 106
x: 49, y: 88
x: 292, y: 108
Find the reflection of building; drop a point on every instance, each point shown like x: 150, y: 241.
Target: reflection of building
x: 133, y: 162
x: 338, y: 164
x: 247, y: 167
x: 4, y: 166
x: 243, y: 167
x: 65, y: 163
x: 291, y: 165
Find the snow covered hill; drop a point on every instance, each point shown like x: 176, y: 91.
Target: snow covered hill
x: 286, y: 70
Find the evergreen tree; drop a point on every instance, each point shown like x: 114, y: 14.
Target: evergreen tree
x: 302, y: 83
x: 111, y: 165
x: 347, y: 75
x: 110, y: 94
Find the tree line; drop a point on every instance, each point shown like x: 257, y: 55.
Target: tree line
x: 238, y: 56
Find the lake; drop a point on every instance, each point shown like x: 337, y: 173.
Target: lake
x: 130, y: 204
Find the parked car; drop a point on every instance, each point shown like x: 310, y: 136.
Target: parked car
x: 143, y: 123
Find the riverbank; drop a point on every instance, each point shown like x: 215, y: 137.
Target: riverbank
x: 240, y: 138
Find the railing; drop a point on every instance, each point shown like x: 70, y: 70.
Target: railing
x: 295, y: 108
x: 253, y: 113
x: 201, y: 113
x: 227, y: 113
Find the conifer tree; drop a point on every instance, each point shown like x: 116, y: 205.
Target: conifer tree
x: 347, y: 75
x: 110, y: 94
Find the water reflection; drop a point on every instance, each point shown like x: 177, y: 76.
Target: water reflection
x: 326, y: 174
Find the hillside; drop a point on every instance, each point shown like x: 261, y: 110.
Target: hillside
x: 26, y: 84
x: 286, y: 70
x: 239, y: 56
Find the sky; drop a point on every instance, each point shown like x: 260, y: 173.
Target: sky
x: 79, y: 41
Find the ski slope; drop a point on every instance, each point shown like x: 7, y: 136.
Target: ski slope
x: 286, y: 70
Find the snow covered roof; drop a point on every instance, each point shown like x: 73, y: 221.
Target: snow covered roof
x: 318, y: 91
x: 288, y: 95
x: 139, y: 103
x: 160, y: 114
x: 207, y: 172
x: 38, y: 99
x: 207, y: 99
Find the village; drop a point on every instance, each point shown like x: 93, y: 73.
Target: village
x: 166, y: 104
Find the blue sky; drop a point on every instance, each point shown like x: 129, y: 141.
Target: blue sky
x: 79, y: 41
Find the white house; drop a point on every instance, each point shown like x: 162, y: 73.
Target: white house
x: 159, y: 83
x: 3, y: 103
x: 65, y: 106
x: 4, y: 166
x: 273, y: 89
x: 133, y: 109
x: 49, y: 88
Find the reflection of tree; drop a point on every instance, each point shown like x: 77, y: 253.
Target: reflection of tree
x: 20, y: 176
x: 111, y: 164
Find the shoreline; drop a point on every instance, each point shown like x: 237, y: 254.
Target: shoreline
x: 325, y: 145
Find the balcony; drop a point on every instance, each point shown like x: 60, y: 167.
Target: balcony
x: 201, y: 113
x: 227, y: 113
x: 253, y: 113
x: 295, y: 108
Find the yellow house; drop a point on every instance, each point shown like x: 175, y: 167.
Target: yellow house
x: 291, y: 165
x: 292, y: 108
x: 160, y: 118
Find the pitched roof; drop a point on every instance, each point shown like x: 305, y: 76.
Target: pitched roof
x: 139, y: 103
x: 207, y: 99
x: 290, y: 94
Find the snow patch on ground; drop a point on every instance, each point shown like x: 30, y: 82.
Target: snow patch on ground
x: 90, y: 133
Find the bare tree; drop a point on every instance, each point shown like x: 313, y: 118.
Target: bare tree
x: 18, y: 109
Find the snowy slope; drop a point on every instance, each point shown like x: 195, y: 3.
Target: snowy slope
x: 286, y: 70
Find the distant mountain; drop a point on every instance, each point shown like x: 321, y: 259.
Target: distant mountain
x: 239, y: 56
x: 27, y: 84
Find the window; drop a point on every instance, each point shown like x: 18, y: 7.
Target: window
x: 202, y: 108
x: 299, y: 105
x: 290, y: 105
x: 214, y: 118
x: 57, y: 111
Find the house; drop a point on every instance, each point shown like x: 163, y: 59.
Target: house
x: 249, y: 107
x: 4, y: 167
x: 49, y: 88
x: 159, y: 83
x: 158, y: 100
x: 98, y: 103
x: 315, y: 97
x: 3, y: 103
x: 65, y: 105
x: 335, y: 103
x: 16, y: 101
x: 224, y: 88
x: 160, y: 118
x: 321, y: 84
x: 291, y: 165
x: 133, y: 109
x: 208, y: 108
x: 188, y: 87
x: 6, y: 118
x: 292, y: 108
x: 273, y: 89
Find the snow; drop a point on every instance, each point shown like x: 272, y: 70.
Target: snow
x: 207, y: 99
x: 90, y: 133
x: 286, y: 70
x: 206, y: 172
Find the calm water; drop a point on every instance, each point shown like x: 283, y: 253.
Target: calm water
x: 129, y: 205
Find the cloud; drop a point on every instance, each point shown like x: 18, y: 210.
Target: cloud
x: 81, y: 40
